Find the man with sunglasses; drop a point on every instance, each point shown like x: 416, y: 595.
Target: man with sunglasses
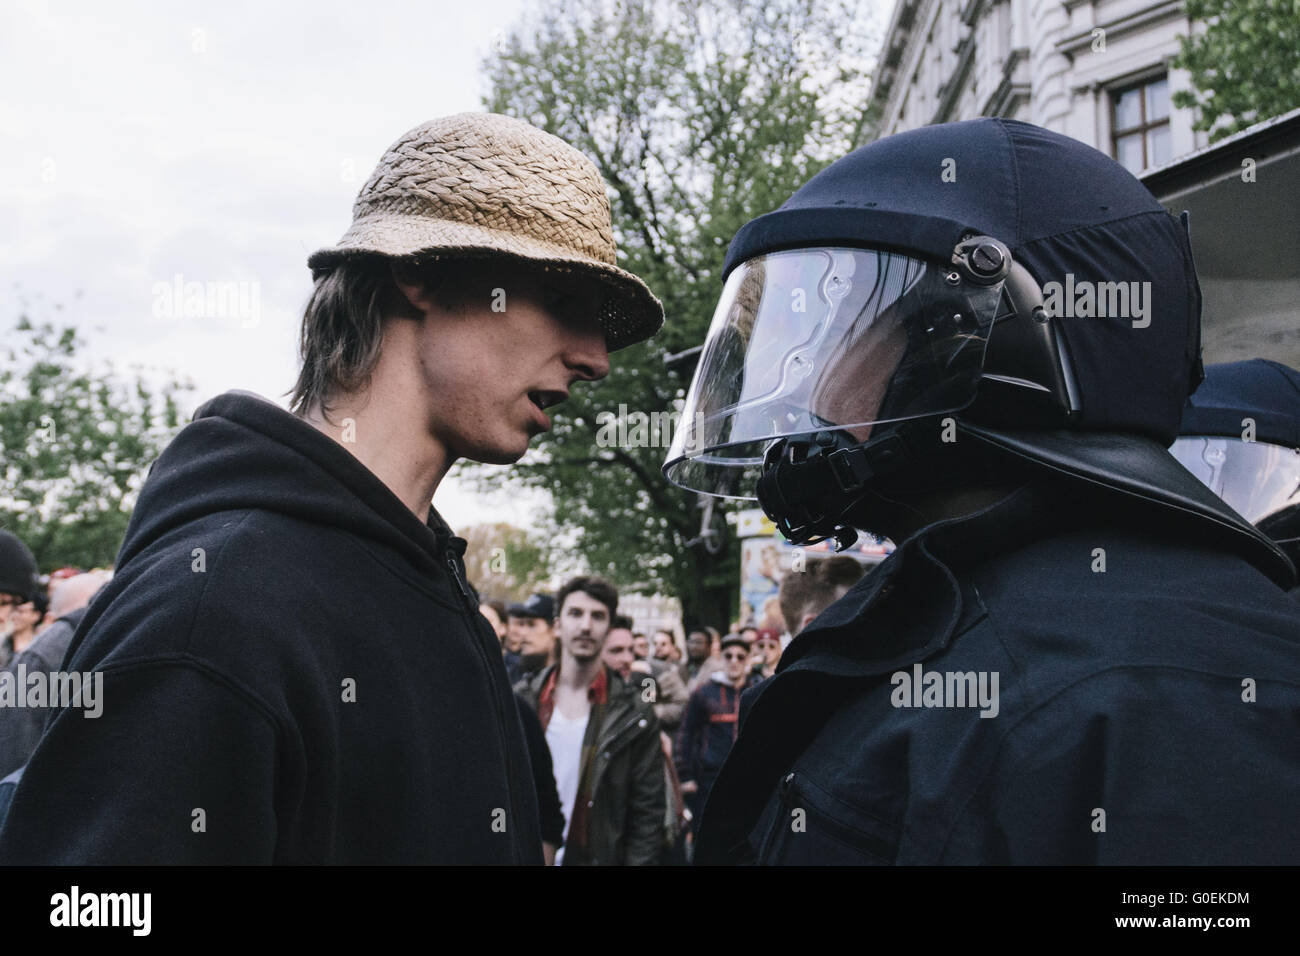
x: 709, y: 728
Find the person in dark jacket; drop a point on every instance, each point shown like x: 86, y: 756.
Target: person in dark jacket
x: 709, y: 728
x: 1241, y: 436
x: 294, y: 670
x: 21, y: 727
x: 604, y: 738
x: 1077, y: 653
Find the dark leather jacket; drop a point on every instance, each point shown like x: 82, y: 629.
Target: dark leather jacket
x: 626, y: 814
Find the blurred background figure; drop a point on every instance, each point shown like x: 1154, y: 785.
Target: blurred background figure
x: 669, y: 696
x: 700, y: 661
x: 805, y: 594
x: 1240, y: 435
x: 532, y: 625
x: 18, y: 584
x: 495, y: 612
x: 712, y: 720
x: 664, y: 646
x: 641, y: 646
x: 21, y: 727
x: 766, y: 652
x: 618, y: 653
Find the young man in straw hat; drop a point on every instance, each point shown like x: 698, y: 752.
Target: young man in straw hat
x: 294, y: 667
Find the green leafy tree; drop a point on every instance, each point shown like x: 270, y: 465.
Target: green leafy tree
x: 75, y: 446
x: 503, y: 561
x: 1245, y: 67
x: 701, y: 115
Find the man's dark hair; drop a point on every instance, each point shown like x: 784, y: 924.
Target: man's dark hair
x: 621, y: 621
x: 343, y: 321
x: 816, y: 588
x: 595, y: 587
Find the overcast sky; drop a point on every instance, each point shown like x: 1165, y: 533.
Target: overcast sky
x: 141, y: 142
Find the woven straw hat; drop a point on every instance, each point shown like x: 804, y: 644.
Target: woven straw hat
x: 481, y: 184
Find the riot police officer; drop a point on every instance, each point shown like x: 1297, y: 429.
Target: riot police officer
x: 1241, y: 436
x: 977, y: 338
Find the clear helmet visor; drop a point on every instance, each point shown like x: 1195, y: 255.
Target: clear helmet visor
x: 1255, y: 478
x: 825, y: 339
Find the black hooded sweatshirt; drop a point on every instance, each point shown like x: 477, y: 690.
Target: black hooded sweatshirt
x: 293, y: 672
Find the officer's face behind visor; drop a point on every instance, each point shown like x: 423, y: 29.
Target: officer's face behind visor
x: 826, y: 339
x: 1255, y: 478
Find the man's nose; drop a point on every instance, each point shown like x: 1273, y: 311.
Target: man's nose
x: 586, y: 353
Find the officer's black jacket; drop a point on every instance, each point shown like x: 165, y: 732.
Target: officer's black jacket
x: 1147, y: 713
x: 293, y: 672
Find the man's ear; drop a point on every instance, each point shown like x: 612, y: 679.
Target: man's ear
x: 412, y: 287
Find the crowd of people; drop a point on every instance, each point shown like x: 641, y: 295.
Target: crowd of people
x: 581, y: 671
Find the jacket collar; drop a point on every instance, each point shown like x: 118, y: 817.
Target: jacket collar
x: 913, y: 600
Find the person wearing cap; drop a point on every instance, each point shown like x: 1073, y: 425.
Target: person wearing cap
x: 710, y: 724
x: 295, y: 670
x: 532, y: 623
x: 18, y: 584
x: 1241, y: 437
x: 1077, y: 652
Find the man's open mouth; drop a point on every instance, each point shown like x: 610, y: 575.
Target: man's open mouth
x: 545, y: 399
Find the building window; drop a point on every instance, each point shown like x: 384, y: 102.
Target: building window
x: 1139, y: 124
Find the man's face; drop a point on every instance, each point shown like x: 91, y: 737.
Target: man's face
x: 536, y: 636
x: 8, y: 606
x: 663, y: 647
x: 641, y: 646
x: 484, y: 369
x: 515, y: 633
x: 618, y: 653
x: 26, y: 617
x: 770, y: 648
x: 583, y: 622
x: 697, y: 646
x: 735, y: 662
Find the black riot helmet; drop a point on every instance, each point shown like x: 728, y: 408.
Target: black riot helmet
x: 954, y: 299
x: 1241, y: 437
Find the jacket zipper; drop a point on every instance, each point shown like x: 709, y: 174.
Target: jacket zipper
x: 501, y: 717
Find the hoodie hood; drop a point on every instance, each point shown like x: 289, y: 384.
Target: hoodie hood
x: 243, y: 452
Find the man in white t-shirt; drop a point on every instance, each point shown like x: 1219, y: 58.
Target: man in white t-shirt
x: 603, y: 736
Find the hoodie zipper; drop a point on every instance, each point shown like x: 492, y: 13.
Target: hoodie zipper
x: 454, y: 568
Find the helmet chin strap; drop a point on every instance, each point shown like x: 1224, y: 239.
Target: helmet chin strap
x: 823, y: 486
x: 810, y: 485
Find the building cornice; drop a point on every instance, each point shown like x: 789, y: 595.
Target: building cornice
x: 951, y: 91
x: 1074, y: 43
x: 898, y: 38
x: 1004, y: 99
